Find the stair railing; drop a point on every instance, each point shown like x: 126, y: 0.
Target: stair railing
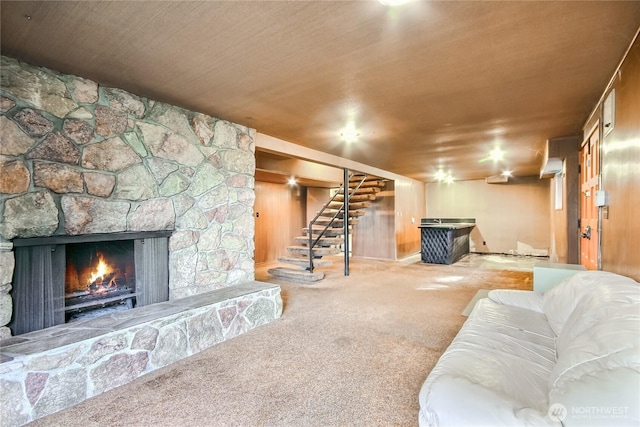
x: 347, y: 196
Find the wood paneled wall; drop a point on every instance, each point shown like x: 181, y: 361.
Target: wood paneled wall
x: 389, y: 229
x: 279, y: 211
x: 621, y: 173
x: 373, y: 236
x: 410, y: 207
x: 317, y: 197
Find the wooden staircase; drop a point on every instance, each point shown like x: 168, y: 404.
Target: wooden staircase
x: 327, y: 231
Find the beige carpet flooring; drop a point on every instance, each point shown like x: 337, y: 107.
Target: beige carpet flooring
x: 348, y: 351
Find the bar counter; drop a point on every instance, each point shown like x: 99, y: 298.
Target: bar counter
x: 445, y: 240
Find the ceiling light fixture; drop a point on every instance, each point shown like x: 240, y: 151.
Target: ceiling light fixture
x: 292, y: 181
x: 349, y: 134
x: 442, y: 176
x: 393, y: 3
x: 496, y: 154
x: 506, y: 173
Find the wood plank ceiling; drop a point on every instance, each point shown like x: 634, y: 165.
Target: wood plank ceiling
x: 427, y: 85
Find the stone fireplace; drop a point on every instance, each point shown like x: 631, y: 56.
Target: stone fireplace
x: 162, y: 196
x: 80, y: 159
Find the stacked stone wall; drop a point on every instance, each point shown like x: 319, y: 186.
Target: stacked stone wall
x: 80, y: 158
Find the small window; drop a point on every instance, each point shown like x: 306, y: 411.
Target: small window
x: 559, y: 185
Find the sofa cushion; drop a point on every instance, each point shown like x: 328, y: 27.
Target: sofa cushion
x: 503, y: 355
x: 598, y: 353
x: 559, y: 302
x: 517, y: 298
x: 455, y: 401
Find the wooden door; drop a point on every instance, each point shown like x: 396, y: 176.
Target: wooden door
x: 262, y: 206
x: 279, y: 217
x: 589, y: 180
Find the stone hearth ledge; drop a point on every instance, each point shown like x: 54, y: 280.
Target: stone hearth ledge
x: 45, y: 371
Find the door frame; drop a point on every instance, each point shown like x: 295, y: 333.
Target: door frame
x: 598, y: 217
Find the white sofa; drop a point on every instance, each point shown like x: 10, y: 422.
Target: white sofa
x: 570, y: 357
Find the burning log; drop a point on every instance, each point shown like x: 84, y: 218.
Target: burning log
x: 101, y: 293
x: 103, y: 283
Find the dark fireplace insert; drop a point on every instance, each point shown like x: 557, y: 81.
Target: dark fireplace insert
x: 64, y: 279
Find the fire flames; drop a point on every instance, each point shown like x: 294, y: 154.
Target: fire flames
x: 102, y: 269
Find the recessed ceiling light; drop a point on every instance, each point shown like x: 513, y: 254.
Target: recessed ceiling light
x: 496, y: 154
x: 292, y: 181
x: 393, y: 3
x: 349, y: 134
x: 440, y: 175
x: 506, y: 173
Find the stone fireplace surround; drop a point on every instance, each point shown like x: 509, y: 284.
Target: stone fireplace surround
x: 46, y: 371
x: 77, y: 158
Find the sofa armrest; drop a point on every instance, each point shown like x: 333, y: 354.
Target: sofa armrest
x: 527, y: 300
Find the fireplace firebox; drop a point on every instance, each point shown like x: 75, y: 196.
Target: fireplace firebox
x: 99, y: 277
x: 68, y: 278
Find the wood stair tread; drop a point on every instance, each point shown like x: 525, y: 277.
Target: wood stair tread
x: 304, y: 261
x: 367, y: 184
x: 352, y: 205
x: 356, y: 198
x: 359, y: 176
x: 368, y: 190
x: 296, y: 274
x: 317, y: 251
x: 317, y: 229
x: 331, y: 232
x: 324, y: 241
x: 336, y: 222
x: 331, y: 212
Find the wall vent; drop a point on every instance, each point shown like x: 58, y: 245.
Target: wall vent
x: 497, y: 179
